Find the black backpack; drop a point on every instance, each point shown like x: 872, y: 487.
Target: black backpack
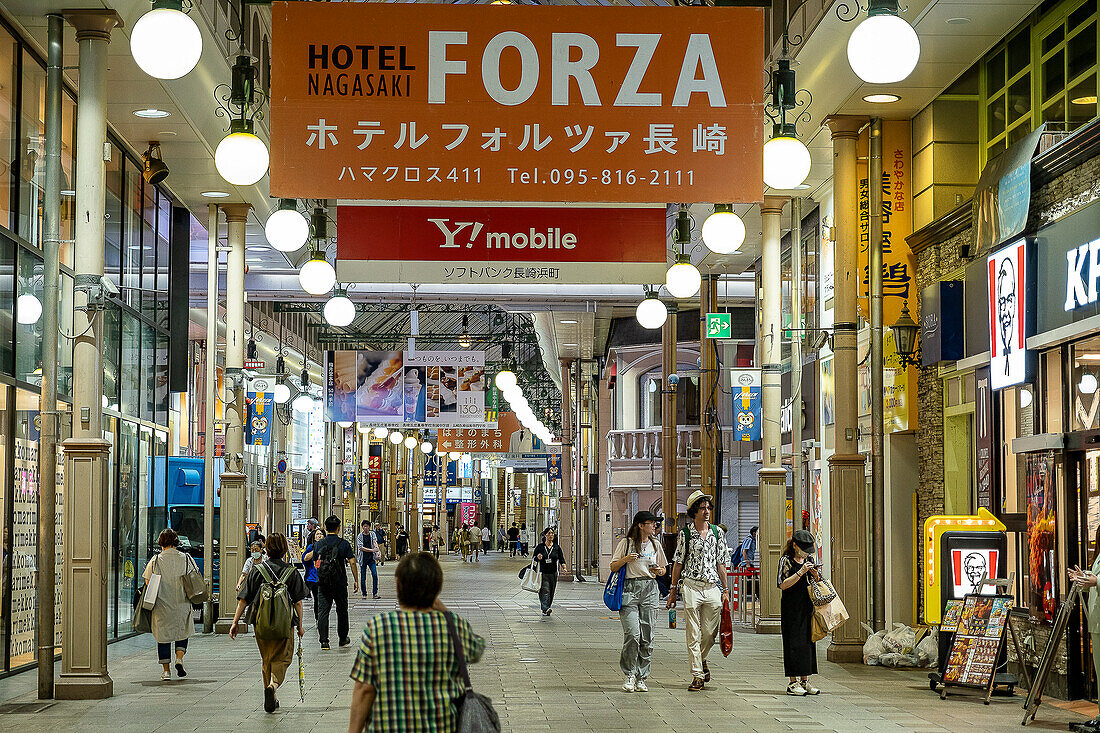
x: 330, y: 566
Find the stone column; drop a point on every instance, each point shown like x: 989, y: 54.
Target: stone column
x: 709, y: 395
x: 847, y: 485
x: 86, y: 570
x: 233, y: 480
x: 568, y: 472
x: 772, y: 534
x: 669, y: 467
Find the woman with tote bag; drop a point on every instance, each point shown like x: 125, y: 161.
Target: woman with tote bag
x: 644, y: 559
x: 797, y: 611
x: 171, y: 618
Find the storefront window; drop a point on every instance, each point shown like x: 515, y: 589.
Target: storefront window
x: 1041, y: 533
x: 28, y: 319
x: 131, y: 230
x: 130, y: 365
x: 7, y: 306
x: 6, y: 446
x: 8, y: 85
x: 1085, y: 396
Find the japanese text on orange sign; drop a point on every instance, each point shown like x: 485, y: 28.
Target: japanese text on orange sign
x: 390, y: 102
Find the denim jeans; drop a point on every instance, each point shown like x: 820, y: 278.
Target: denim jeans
x: 639, y: 609
x: 363, y: 574
x: 164, y: 651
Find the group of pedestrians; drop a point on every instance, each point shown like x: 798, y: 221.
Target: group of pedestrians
x: 518, y: 538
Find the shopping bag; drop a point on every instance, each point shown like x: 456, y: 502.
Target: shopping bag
x: 821, y: 591
x: 818, y: 629
x: 152, y: 587
x: 533, y: 580
x: 194, y: 586
x: 833, y: 613
x: 725, y: 629
x: 142, y: 622
x: 613, y: 591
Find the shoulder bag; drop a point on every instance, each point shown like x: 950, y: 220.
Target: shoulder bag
x: 152, y: 587
x: 821, y: 591
x: 532, y: 581
x: 194, y: 585
x: 475, y: 712
x: 613, y: 591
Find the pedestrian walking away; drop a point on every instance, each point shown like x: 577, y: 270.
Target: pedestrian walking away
x: 549, y: 557
x: 367, y: 548
x: 171, y: 616
x: 401, y: 541
x: 438, y: 540
x: 383, y: 546
x: 311, y: 566
x: 699, y: 563
x: 644, y: 559
x: 333, y: 554
x: 502, y: 539
x: 406, y: 674
x: 273, y: 594
x: 796, y: 612
x: 486, y: 539
x: 513, y: 538
x: 748, y: 560
x: 524, y: 540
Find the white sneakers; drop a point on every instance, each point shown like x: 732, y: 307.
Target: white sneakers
x: 810, y: 689
x: 631, y: 684
x: 796, y: 688
x: 640, y: 686
x: 166, y: 676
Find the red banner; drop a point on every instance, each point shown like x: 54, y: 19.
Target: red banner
x: 465, y: 245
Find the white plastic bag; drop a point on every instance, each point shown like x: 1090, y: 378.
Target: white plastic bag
x: 872, y: 648
x: 900, y: 640
x: 928, y: 650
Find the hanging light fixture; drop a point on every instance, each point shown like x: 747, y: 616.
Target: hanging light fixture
x: 651, y: 312
x: 153, y: 168
x: 506, y: 378
x: 883, y: 48
x: 303, y: 403
x: 344, y: 424
x: 363, y: 429
x: 339, y: 310
x: 280, y: 393
x: 396, y: 437
x: 723, y: 231
x: 682, y: 279
x: 380, y: 432
x: 165, y: 42
x: 28, y: 309
x: 454, y: 455
x: 786, y: 159
x: 287, y: 229
x: 426, y: 448
x: 411, y: 442
x: 241, y: 158
x: 317, y: 276
x: 464, y: 340
x: 905, y: 337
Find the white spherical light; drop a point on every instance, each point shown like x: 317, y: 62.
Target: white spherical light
x: 426, y: 448
x: 786, y: 162
x: 683, y: 279
x: 519, y: 403
x: 317, y: 276
x: 241, y: 158
x: 166, y: 43
x: 411, y: 442
x: 286, y: 229
x: 1088, y: 384
x: 454, y: 455
x: 511, y: 469
x: 381, y: 432
x: 303, y: 403
x: 396, y: 437
x: 651, y: 313
x: 280, y: 393
x: 505, y: 379
x: 883, y: 49
x: 339, y: 310
x: 344, y: 424
x: 511, y: 392
x: 28, y: 309
x: 723, y: 232
x: 363, y: 429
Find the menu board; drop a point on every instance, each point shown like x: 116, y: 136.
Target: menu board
x: 977, y: 642
x: 952, y: 612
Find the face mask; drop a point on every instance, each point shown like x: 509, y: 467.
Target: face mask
x: 256, y: 555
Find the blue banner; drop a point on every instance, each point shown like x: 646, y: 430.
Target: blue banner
x: 553, y: 467
x: 746, y: 413
x: 257, y: 428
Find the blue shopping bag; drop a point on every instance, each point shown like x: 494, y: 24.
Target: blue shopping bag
x: 613, y: 591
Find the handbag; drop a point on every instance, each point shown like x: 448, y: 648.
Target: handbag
x: 533, y: 580
x: 833, y: 613
x: 613, y: 591
x: 194, y: 585
x: 152, y: 588
x: 475, y: 711
x: 818, y: 629
x: 142, y: 622
x: 725, y: 629
x: 821, y: 591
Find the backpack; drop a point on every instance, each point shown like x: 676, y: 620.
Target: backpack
x: 738, y: 554
x: 272, y: 617
x: 330, y: 567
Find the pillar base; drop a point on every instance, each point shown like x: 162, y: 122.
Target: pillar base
x: 846, y: 653
x: 221, y: 626
x: 83, y: 687
x: 769, y: 625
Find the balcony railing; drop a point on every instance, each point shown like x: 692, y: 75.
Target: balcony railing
x: 644, y: 444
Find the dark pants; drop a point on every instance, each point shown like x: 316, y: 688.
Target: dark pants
x: 164, y: 651
x: 363, y: 575
x: 485, y: 545
x: 514, y: 545
x: 524, y: 548
x: 311, y: 586
x: 546, y: 592
x: 324, y: 605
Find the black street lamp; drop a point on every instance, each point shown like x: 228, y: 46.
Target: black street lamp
x: 905, y: 338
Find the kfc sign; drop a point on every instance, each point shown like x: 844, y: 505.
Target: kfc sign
x: 491, y: 245
x: 969, y: 566
x: 524, y: 103
x: 1009, y: 315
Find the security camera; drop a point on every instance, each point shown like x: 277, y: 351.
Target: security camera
x: 108, y: 286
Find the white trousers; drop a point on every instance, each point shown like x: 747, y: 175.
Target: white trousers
x: 702, y: 611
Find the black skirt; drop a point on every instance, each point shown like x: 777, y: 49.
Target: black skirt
x: 796, y: 616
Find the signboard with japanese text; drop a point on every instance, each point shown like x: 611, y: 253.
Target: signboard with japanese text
x: 428, y: 388
x: 492, y: 245
x: 898, y: 262
x: 1009, y: 284
x: 508, y: 437
x: 516, y: 103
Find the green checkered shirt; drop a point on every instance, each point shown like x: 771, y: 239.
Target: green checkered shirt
x: 407, y: 657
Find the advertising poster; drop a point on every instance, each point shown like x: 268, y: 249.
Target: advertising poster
x: 968, y: 566
x: 508, y: 437
x: 452, y: 384
x: 399, y: 102
x: 1041, y: 531
x: 553, y: 467
x: 746, y: 404
x: 340, y: 376
x: 1008, y: 314
x: 828, y: 393
x: 379, y: 386
x: 977, y: 642
x: 261, y: 411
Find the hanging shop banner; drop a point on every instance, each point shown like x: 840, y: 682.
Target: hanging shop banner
x: 433, y: 471
x: 746, y: 404
x: 489, y: 245
x: 533, y: 103
x: 428, y: 388
x: 529, y: 463
x: 508, y: 437
x: 553, y: 467
x: 899, y: 385
x: 1009, y: 285
x: 261, y: 410
x: 898, y: 262
x: 1002, y: 197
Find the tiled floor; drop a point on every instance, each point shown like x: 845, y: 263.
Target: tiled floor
x: 559, y: 673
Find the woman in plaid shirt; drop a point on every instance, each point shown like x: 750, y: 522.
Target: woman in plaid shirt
x: 406, y: 675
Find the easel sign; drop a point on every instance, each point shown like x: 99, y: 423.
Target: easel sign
x: 972, y: 661
x: 1050, y: 651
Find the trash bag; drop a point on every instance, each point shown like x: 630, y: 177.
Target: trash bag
x: 928, y: 650
x: 893, y: 659
x: 900, y: 640
x: 872, y: 648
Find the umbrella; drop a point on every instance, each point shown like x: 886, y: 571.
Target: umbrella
x: 301, y: 674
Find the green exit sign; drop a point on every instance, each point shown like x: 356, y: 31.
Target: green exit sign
x: 719, y: 326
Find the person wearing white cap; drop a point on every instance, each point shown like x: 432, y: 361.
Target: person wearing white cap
x: 700, y: 562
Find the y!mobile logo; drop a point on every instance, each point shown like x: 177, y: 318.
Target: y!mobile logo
x: 552, y: 238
